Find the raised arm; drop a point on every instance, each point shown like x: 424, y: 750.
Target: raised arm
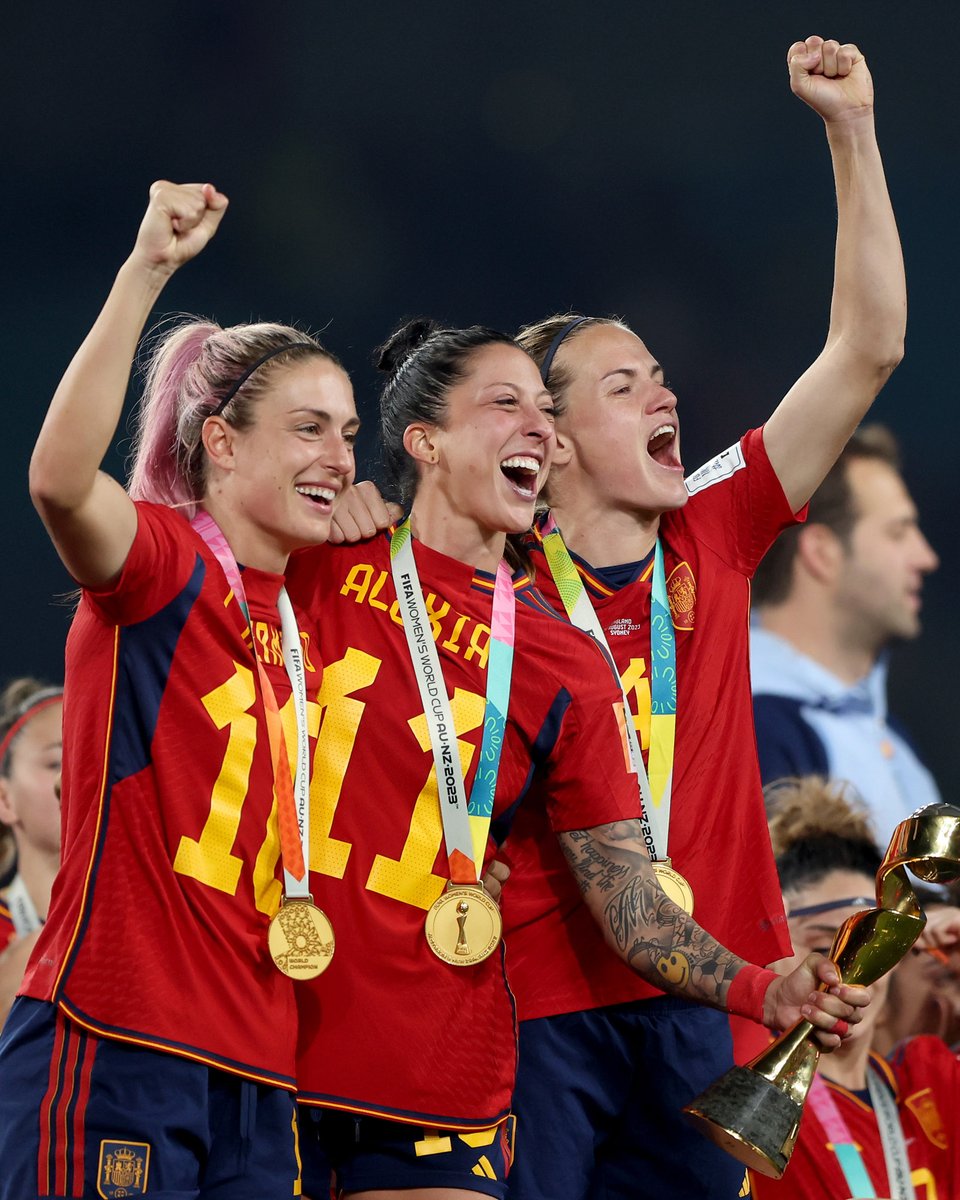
x: 864, y: 343
x: 88, y: 515
x: 666, y: 947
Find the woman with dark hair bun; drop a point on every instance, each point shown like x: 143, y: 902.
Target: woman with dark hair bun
x: 152, y: 1047
x: 871, y: 1127
x: 448, y: 690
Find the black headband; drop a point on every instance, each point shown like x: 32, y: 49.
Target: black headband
x: 811, y: 910
x: 555, y: 346
x: 253, y: 367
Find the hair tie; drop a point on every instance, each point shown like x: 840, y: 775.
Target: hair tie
x: 555, y: 346
x: 253, y: 367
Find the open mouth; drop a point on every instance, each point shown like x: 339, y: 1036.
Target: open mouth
x: 662, y: 447
x: 321, y: 497
x: 521, y: 472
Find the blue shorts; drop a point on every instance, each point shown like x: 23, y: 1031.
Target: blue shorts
x: 353, y: 1153
x: 598, y: 1102
x: 84, y: 1116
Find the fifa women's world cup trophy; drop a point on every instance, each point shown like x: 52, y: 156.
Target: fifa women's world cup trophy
x: 754, y: 1111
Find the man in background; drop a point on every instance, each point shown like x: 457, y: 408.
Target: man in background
x: 829, y: 598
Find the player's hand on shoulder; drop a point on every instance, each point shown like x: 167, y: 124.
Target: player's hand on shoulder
x: 180, y: 219
x: 832, y: 78
x: 361, y: 513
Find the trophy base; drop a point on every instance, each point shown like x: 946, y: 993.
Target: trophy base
x: 750, y: 1118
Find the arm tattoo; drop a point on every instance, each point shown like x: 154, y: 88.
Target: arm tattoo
x: 649, y: 932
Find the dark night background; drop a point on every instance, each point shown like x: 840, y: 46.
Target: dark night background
x: 485, y: 162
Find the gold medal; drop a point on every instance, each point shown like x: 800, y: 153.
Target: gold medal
x: 464, y: 925
x: 673, y: 885
x: 300, y: 938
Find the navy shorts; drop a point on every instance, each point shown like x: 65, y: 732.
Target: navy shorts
x: 84, y: 1116
x: 353, y: 1153
x: 598, y: 1103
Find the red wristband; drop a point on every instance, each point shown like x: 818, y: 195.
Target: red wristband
x: 749, y: 986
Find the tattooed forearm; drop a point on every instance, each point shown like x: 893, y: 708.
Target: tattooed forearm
x: 592, y: 868
x: 649, y: 932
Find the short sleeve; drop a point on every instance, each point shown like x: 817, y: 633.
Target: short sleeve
x: 162, y: 558
x: 737, y: 504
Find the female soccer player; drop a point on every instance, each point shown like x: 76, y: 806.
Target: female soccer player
x: 152, y: 1047
x: 436, y: 665
x: 660, y: 567
x: 871, y: 1127
x: 31, y: 718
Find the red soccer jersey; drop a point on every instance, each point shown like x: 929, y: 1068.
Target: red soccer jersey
x: 7, y: 930
x: 925, y: 1078
x: 157, y: 931
x: 389, y: 1028
x: 718, y: 833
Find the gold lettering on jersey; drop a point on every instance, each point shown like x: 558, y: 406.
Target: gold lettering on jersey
x: 636, y: 680
x: 340, y: 721
x: 210, y: 858
x: 456, y: 632
x: 269, y: 646
x: 410, y: 878
x: 452, y: 641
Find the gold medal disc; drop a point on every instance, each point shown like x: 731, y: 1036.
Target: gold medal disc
x: 464, y: 926
x: 300, y: 938
x: 673, y: 885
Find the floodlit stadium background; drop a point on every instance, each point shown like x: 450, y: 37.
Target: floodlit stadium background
x: 486, y: 162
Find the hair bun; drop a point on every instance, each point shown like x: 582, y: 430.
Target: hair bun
x: 811, y: 807
x: 398, y: 347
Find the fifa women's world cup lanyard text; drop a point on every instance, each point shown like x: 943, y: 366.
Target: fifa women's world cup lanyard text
x: 463, y: 926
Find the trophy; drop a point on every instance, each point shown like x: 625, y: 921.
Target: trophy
x: 754, y: 1111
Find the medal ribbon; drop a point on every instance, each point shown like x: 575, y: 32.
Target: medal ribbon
x: 465, y: 823
x: 293, y: 815
x: 23, y: 911
x: 851, y: 1162
x: 656, y: 785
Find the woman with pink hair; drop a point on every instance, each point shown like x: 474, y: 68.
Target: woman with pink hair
x: 152, y: 1045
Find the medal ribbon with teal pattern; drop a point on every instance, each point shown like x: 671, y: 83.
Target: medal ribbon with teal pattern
x: 895, y: 1155
x: 655, y: 782
x: 465, y: 823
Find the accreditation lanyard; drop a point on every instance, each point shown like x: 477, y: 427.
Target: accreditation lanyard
x: 465, y: 823
x: 23, y: 912
x: 292, y: 796
x: 851, y: 1162
x: 656, y: 783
